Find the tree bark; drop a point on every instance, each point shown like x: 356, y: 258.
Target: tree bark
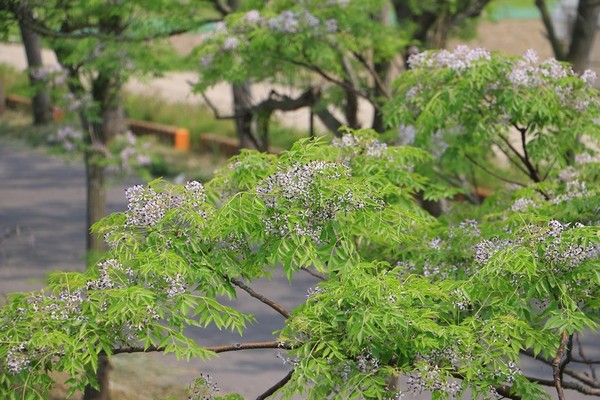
x: 102, y: 376
x: 242, y: 105
x: 2, y: 98
x: 41, y: 104
x: 584, y: 32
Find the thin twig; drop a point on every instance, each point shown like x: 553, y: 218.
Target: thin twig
x: 275, y: 306
x: 583, y: 377
x: 329, y: 78
x: 374, y: 74
x: 276, y: 386
x: 485, y: 169
x: 314, y: 273
x: 214, y: 108
x: 510, y: 159
x: 530, y: 168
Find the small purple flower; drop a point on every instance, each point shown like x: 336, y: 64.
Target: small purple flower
x: 331, y: 25
x: 252, y: 17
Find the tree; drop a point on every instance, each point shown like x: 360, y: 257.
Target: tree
x: 100, y: 45
x: 41, y: 104
x: 452, y: 303
x: 581, y: 40
x: 340, y: 51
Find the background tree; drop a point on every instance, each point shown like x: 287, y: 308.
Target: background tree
x: 100, y: 46
x: 581, y: 38
x: 41, y: 103
x: 339, y: 51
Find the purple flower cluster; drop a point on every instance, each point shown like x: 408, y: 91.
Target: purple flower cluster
x: 522, y: 204
x: 67, y: 136
x: 175, y: 285
x: 146, y: 207
x: 203, y: 388
x: 569, y: 255
x: 17, y: 359
x: 429, y: 377
x: 297, y: 205
x: 356, y: 146
x: 53, y: 74
x: 74, y: 103
x: 528, y: 72
x: 463, y: 57
x: 366, y: 362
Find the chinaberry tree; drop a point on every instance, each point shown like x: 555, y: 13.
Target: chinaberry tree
x: 452, y: 304
x: 333, y: 53
x: 100, y: 45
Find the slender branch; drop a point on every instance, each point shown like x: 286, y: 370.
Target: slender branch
x: 531, y: 172
x: 24, y: 14
x: 523, y: 132
x: 487, y: 170
x: 276, y: 387
x: 214, y: 108
x: 329, y: 78
x: 275, y: 306
x: 567, y: 385
x: 376, y: 77
x: 217, y: 349
x: 583, y: 377
x: 510, y: 159
x: 587, y: 362
x: 314, y: 273
x: 513, y: 148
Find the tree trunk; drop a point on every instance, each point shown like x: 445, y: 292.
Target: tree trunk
x: 112, y: 124
x: 351, y: 109
x: 383, y: 71
x: 584, y: 32
x: 242, y: 104
x: 2, y: 98
x: 102, y: 376
x: 41, y: 104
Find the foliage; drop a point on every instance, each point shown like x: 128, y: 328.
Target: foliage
x: 452, y: 303
x: 467, y: 106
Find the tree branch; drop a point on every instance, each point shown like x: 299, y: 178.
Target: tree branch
x: 217, y: 349
x: 487, y: 170
x: 88, y: 31
x: 314, y: 273
x: 531, y: 172
x: 224, y: 9
x: 214, y: 108
x: 383, y: 88
x: 329, y: 78
x: 567, y: 385
x: 328, y: 119
x: 275, y: 306
x: 276, y: 387
x: 583, y: 377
